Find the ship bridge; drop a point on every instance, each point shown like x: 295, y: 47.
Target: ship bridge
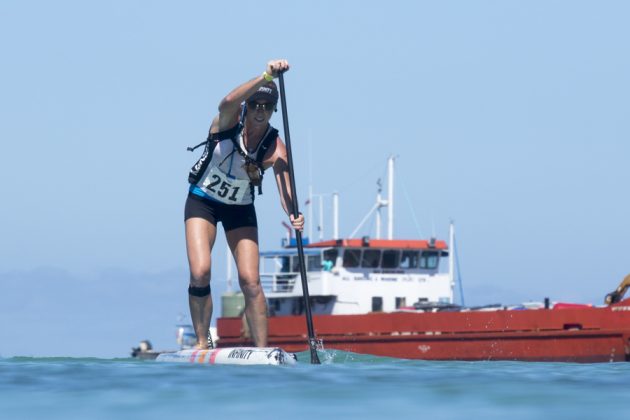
x: 355, y: 276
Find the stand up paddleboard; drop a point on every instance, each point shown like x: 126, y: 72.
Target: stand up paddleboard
x: 231, y: 356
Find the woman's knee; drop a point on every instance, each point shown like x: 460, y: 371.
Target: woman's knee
x: 250, y: 284
x: 199, y: 275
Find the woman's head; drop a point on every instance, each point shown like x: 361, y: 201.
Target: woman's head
x: 267, y: 93
x: 262, y: 103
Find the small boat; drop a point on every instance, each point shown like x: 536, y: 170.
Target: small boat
x: 145, y: 351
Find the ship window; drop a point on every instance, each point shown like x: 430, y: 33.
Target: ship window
x: 400, y: 302
x: 295, y: 267
x: 275, y: 304
x: 285, y: 264
x: 331, y: 254
x: 371, y: 258
x: 390, y: 258
x: 351, y: 258
x: 429, y: 260
x: 330, y: 259
x: 409, y: 259
x: 314, y: 263
x: 377, y: 304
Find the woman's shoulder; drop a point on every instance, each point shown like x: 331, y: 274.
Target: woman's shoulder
x: 277, y: 151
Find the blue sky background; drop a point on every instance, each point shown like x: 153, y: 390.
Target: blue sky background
x: 509, y: 117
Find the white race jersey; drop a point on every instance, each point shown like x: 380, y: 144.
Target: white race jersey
x: 225, y: 178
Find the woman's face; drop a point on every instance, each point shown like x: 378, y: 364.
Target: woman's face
x: 259, y: 112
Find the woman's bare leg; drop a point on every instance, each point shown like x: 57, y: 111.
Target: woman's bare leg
x: 200, y: 237
x: 244, y: 245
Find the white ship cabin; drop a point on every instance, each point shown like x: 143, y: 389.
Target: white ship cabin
x: 358, y: 276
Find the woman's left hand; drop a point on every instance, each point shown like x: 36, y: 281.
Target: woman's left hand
x: 298, y: 223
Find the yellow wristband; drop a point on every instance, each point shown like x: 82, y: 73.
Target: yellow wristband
x: 267, y: 76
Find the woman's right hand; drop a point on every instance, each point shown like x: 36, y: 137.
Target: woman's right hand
x: 275, y: 67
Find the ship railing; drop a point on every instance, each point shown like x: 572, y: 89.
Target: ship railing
x: 278, y: 283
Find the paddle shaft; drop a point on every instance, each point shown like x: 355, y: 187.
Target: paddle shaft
x: 298, y: 235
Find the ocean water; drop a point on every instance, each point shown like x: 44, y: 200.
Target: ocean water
x: 345, y: 385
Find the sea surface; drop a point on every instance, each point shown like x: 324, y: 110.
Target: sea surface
x: 345, y: 385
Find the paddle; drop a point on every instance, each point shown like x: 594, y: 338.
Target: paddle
x: 298, y: 235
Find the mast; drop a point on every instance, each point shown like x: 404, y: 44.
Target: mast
x: 389, y: 203
x: 310, y: 186
x: 379, y: 203
x: 335, y: 215
x: 310, y: 212
x: 321, y: 217
x: 451, y: 255
x: 390, y: 198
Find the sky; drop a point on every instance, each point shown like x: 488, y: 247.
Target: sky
x: 509, y: 118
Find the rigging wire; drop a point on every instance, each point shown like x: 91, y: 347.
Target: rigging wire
x: 413, y: 213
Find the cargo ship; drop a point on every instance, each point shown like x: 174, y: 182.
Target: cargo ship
x: 394, y: 297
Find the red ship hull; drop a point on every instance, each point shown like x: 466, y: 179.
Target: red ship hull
x: 574, y: 334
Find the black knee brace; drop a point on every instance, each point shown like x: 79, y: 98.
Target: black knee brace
x: 199, y: 291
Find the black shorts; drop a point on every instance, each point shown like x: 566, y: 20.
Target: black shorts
x: 232, y: 216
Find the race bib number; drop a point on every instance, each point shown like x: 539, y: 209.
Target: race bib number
x: 223, y: 188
